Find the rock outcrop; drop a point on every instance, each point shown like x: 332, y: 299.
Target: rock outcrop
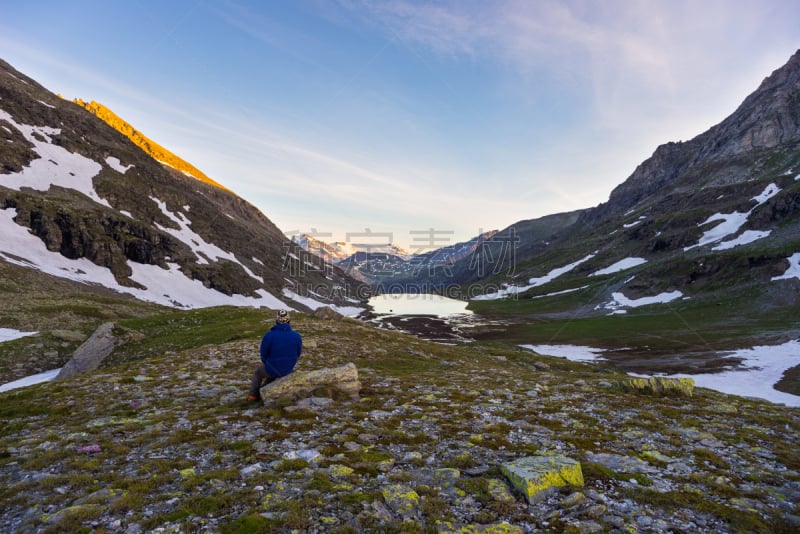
x: 326, y: 312
x: 97, y: 348
x: 300, y: 383
x: 658, y: 385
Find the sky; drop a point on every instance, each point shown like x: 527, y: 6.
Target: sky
x: 342, y: 117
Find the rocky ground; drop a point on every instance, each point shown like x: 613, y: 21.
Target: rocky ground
x: 168, y: 444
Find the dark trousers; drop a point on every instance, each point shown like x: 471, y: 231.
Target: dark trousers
x: 260, y: 378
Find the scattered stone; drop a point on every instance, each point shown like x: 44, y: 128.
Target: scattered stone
x: 595, y: 511
x: 412, y: 457
x: 250, y: 470
x: 574, y: 499
x: 712, y: 442
x: 587, y: 527
x: 309, y: 455
x: 534, y: 474
x: 623, y: 464
x: 351, y: 446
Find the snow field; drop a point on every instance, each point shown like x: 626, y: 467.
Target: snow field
x: 761, y: 368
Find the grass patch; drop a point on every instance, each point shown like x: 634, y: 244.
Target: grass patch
x: 739, y: 520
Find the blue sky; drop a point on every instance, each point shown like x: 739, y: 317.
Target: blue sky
x: 401, y: 116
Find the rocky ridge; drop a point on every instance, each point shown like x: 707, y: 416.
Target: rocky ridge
x: 168, y: 444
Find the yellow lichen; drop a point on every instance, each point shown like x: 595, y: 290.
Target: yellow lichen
x: 534, y: 474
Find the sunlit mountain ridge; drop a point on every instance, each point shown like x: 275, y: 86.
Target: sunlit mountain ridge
x: 149, y: 146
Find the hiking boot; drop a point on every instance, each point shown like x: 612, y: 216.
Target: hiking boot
x: 252, y: 398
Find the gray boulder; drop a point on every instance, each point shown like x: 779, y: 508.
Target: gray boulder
x: 301, y: 383
x: 97, y: 348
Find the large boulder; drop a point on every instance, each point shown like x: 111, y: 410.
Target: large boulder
x: 658, y: 385
x: 97, y: 348
x: 326, y: 312
x: 301, y: 383
x: 533, y: 475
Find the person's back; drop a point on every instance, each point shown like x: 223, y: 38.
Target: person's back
x: 280, y: 350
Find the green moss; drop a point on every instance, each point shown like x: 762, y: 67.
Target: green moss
x: 292, y: 465
x: 739, y: 520
x: 462, y: 460
x: 706, y: 455
x: 251, y: 524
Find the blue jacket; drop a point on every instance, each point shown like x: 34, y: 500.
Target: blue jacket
x: 280, y: 349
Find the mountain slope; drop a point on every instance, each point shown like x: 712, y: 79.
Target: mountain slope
x: 716, y: 217
x: 80, y: 200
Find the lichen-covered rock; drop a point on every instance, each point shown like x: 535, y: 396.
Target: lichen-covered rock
x: 533, y: 474
x: 402, y: 500
x: 446, y: 527
x: 658, y: 385
x: 499, y: 491
x: 656, y: 457
x: 299, y: 383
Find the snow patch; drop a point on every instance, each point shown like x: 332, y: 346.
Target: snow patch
x: 9, y: 334
x: 534, y: 282
x: 562, y: 292
x: 46, y: 104
x: 794, y: 268
x: 169, y: 287
x: 555, y: 273
x: 201, y: 248
x: 748, y: 236
x: 761, y: 368
x: 732, y: 222
x: 30, y: 380
x: 55, y: 166
x: 621, y: 265
x: 770, y: 191
x: 634, y: 223
x: 760, y: 365
x: 117, y: 165
x: 574, y: 353
x: 347, y: 311
x: 621, y: 301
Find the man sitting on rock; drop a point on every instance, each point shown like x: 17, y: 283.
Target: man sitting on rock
x: 280, y: 350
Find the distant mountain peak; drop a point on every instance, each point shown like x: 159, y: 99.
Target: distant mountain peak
x: 153, y: 149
